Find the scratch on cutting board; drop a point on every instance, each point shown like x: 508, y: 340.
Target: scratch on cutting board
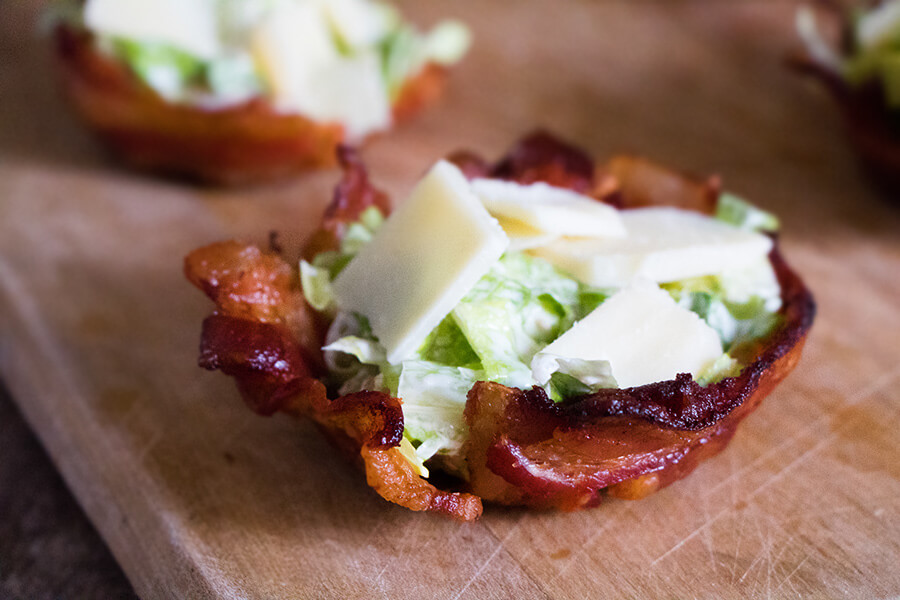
x: 877, y: 385
x: 791, y: 574
x: 707, y: 542
x: 480, y: 570
x: 687, y: 538
x: 880, y: 383
x: 501, y: 544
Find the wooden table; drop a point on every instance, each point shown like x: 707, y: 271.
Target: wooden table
x: 198, y: 498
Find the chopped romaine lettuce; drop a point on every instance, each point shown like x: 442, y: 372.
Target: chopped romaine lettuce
x: 316, y: 285
x: 576, y: 377
x: 520, y: 306
x: 366, y: 351
x: 358, y: 235
x: 361, y: 232
x: 741, y: 304
x: 166, y: 69
x: 401, y: 56
x: 873, y: 51
x: 742, y: 214
x: 434, y: 397
x: 725, y: 366
x: 447, y: 345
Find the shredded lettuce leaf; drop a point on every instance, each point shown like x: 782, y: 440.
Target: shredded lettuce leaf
x: 316, y: 285
x: 448, y: 345
x: 742, y: 214
x: 576, y: 377
x: 358, y: 235
x: 434, y: 397
x: 519, y: 307
x: 166, y: 69
x: 516, y: 309
x: 724, y: 366
x: 741, y: 304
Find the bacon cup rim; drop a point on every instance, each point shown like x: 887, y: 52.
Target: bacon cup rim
x: 522, y: 449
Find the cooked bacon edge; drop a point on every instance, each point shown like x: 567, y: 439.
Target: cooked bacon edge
x: 239, y: 144
x: 523, y: 449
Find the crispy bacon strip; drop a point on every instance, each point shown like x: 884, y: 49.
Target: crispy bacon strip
x: 239, y: 144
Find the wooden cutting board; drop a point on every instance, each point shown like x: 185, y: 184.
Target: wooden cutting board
x: 199, y: 498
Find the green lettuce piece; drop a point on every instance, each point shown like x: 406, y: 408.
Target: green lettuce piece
x: 434, y: 397
x: 366, y: 351
x: 347, y: 358
x: 724, y: 366
x: 316, y: 277
x: 744, y: 215
x: 576, y: 376
x: 741, y: 304
x: 405, y: 51
x: 876, y: 50
x: 358, y: 234
x: 316, y: 285
x: 447, y: 345
x: 402, y: 56
x: 169, y: 71
x: 516, y: 309
x: 361, y: 232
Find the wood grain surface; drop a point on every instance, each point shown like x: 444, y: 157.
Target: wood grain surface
x: 198, y: 498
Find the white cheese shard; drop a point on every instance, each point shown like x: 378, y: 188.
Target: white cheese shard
x: 642, y: 333
x: 423, y: 260
x: 524, y: 237
x: 662, y: 245
x: 296, y: 53
x: 189, y: 25
x: 549, y: 209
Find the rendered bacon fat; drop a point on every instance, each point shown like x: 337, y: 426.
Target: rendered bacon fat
x: 523, y: 449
